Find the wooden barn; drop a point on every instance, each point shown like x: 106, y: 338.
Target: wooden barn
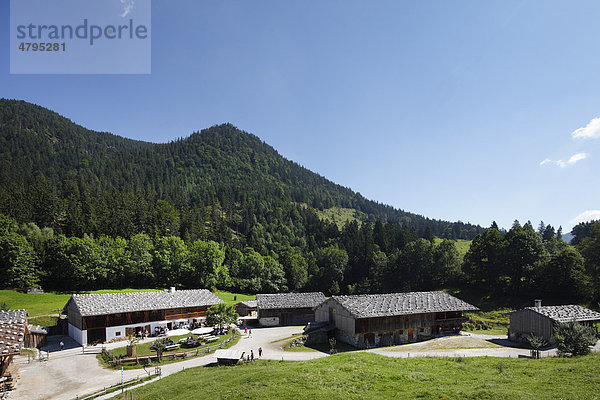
x: 372, y: 320
x: 541, y: 320
x: 36, y: 336
x: 98, y: 318
x: 288, y: 308
x: 246, y: 308
x: 13, y: 330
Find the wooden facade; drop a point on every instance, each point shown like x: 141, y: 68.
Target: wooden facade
x: 96, y: 325
x: 366, y: 332
x: 286, y: 316
x: 542, y: 321
x: 528, y: 322
x: 246, y: 308
x: 108, y: 317
x: 287, y: 308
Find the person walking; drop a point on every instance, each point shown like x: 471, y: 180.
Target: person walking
x: 260, y: 352
x: 252, y: 355
x: 62, y: 345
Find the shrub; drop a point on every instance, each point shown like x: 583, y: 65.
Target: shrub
x: 536, y: 342
x: 468, y: 326
x: 574, y: 338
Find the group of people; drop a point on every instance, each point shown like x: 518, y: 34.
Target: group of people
x: 247, y: 331
x: 160, y: 330
x: 250, y: 357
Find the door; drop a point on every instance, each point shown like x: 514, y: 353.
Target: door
x: 96, y: 335
x: 410, y: 335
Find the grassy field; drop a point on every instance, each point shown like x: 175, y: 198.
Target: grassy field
x: 288, y: 339
x: 497, y: 321
x: 320, y: 347
x: 228, y: 297
x: 43, y: 321
x: 461, y: 245
x: 340, y: 216
x: 364, y: 375
x: 49, y: 303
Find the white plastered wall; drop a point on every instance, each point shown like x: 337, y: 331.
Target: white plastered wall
x: 78, y: 335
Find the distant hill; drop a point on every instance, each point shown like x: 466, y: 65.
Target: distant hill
x: 221, y: 183
x: 567, y: 237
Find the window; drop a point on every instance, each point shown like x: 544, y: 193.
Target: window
x: 117, y: 333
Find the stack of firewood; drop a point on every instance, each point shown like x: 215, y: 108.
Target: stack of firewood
x: 9, y: 380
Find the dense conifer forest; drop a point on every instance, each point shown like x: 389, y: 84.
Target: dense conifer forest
x: 86, y: 210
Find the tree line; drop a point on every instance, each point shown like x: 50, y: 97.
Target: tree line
x: 365, y: 258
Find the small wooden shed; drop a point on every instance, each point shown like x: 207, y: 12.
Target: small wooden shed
x: 246, y: 308
x: 288, y: 308
x: 540, y: 321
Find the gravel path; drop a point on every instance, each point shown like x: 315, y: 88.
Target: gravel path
x: 69, y: 373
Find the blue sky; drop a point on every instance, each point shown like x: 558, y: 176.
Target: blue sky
x: 446, y: 109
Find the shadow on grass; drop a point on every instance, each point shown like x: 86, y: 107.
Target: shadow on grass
x: 340, y: 347
x: 517, y: 345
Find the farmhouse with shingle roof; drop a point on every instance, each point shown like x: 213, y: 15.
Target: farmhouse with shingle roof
x: 541, y: 320
x: 13, y: 330
x: 385, y: 319
x: 288, y: 308
x: 114, y: 316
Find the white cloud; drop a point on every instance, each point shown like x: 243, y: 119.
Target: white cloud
x: 545, y: 161
x: 588, y: 215
x: 128, y: 5
x: 574, y: 158
x: 590, y: 131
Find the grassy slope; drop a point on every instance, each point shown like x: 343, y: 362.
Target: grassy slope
x: 358, y: 376
x: 461, y: 245
x: 49, y: 303
x: 227, y: 297
x: 341, y: 215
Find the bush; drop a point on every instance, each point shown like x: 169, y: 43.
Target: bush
x: 468, y: 326
x: 536, y: 342
x: 574, y: 338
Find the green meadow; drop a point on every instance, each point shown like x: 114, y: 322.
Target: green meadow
x: 44, y: 304
x: 364, y: 375
x: 232, y: 298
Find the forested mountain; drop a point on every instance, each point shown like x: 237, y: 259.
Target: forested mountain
x: 217, y: 184
x: 83, y: 210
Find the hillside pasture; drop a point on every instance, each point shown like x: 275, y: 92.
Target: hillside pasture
x: 46, y: 303
x: 364, y: 375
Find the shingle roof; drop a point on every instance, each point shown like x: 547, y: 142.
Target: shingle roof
x: 249, y: 303
x: 12, y: 331
x: 113, y: 303
x: 566, y: 313
x: 290, y: 300
x: 392, y: 304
